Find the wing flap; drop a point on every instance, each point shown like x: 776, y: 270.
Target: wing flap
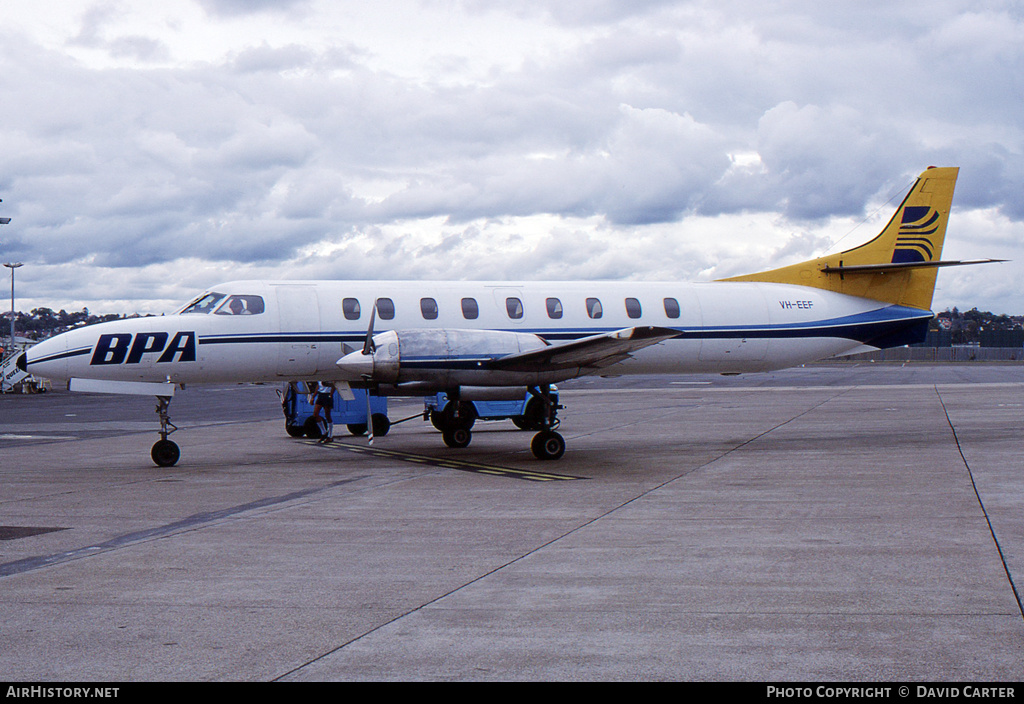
x: 595, y: 351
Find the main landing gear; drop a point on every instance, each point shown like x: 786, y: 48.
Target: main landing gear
x: 547, y: 444
x: 456, y: 419
x: 165, y: 452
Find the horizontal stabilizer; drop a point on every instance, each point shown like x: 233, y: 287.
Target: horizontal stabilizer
x: 897, y: 266
x: 595, y: 351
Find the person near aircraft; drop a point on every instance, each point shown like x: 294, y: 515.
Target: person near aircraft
x: 323, y: 400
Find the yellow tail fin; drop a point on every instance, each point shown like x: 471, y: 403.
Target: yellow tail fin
x: 899, y: 265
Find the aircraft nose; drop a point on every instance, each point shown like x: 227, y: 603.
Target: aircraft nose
x: 48, y: 359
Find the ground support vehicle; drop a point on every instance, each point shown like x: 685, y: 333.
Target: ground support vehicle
x: 298, y: 411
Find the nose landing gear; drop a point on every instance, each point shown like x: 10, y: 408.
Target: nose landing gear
x: 165, y: 453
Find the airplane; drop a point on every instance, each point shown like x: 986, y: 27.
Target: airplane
x: 485, y: 340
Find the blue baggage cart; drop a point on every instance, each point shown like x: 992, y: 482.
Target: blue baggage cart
x: 298, y: 411
x: 526, y: 413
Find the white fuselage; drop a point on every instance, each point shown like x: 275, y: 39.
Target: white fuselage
x: 289, y: 330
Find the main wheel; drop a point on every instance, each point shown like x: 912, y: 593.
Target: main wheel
x: 357, y: 429
x: 165, y: 453
x: 547, y: 445
x: 457, y: 437
x: 295, y: 431
x: 448, y: 419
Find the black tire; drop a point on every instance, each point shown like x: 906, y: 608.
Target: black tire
x: 165, y: 453
x: 312, y: 429
x: 533, y: 416
x: 381, y: 425
x: 437, y: 420
x: 295, y: 431
x: 548, y: 445
x: 357, y: 429
x: 457, y: 437
x: 465, y: 420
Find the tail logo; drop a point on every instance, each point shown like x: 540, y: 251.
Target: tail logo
x: 912, y: 241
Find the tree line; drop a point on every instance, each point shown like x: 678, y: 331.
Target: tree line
x: 979, y: 326
x: 41, y: 323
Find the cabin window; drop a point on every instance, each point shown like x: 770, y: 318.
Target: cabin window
x: 514, y: 307
x: 671, y: 307
x: 554, y: 308
x: 350, y: 307
x: 241, y: 305
x: 204, y: 304
x: 633, y: 309
x: 428, y: 307
x: 385, y: 308
x: 470, y: 310
x: 594, y: 309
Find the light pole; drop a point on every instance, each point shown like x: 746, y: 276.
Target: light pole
x: 12, y: 266
x: 6, y: 221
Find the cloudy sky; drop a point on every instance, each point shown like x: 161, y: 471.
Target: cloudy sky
x: 150, y: 149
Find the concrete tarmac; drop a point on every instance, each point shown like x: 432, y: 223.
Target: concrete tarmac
x: 832, y: 523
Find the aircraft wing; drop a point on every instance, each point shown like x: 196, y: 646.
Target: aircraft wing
x: 595, y: 351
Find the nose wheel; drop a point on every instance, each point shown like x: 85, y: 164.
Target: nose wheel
x: 165, y: 453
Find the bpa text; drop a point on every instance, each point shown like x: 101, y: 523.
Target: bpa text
x: 125, y: 348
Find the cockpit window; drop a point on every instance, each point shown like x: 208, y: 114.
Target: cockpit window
x: 241, y: 305
x: 204, y: 304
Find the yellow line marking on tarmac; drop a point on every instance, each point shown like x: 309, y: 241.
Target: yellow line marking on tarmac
x: 447, y: 463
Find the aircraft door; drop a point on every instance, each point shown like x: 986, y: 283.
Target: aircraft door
x: 299, y: 315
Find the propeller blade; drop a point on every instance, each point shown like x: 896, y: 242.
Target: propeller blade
x: 369, y: 416
x: 368, y: 349
x: 368, y: 346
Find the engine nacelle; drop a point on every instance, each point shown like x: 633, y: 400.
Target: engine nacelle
x: 441, y: 358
